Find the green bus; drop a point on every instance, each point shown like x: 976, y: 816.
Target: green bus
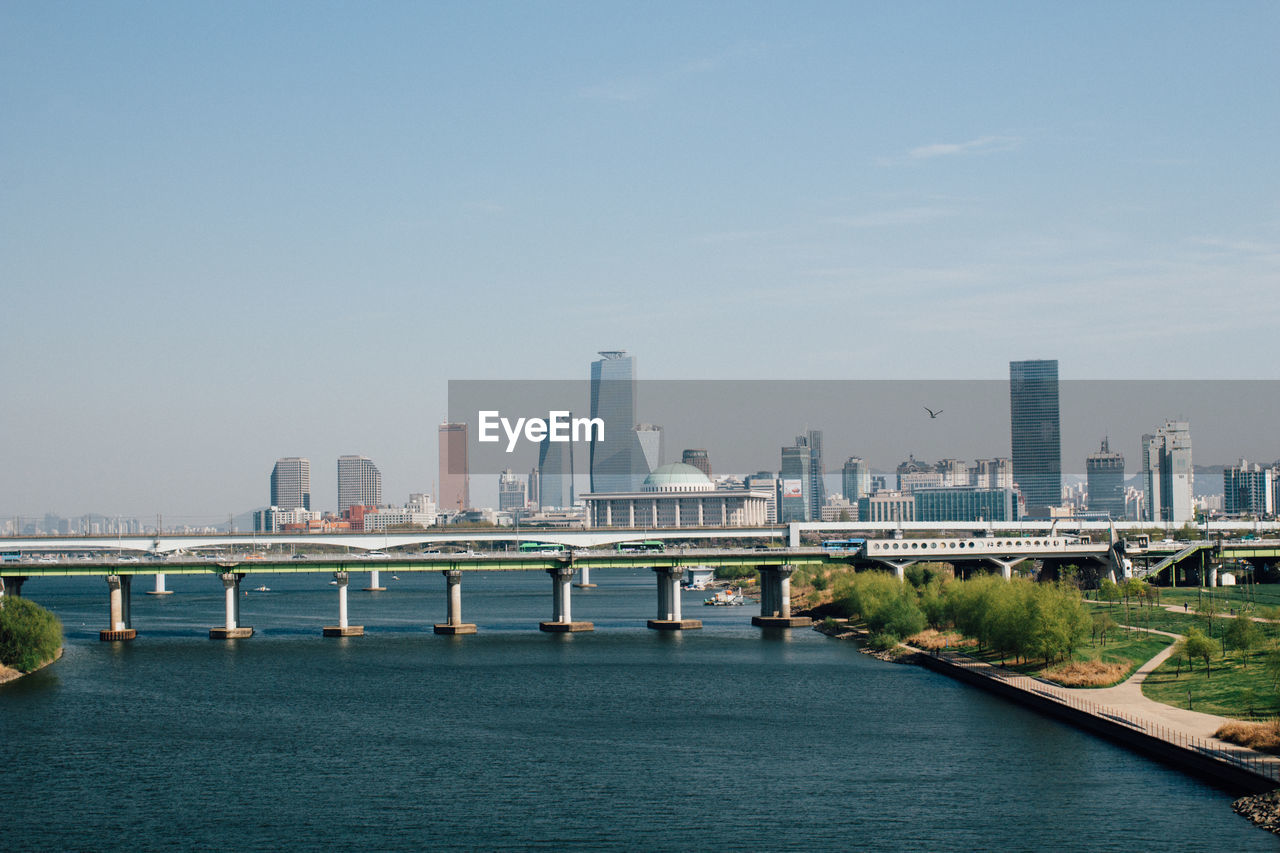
x: 647, y: 546
x: 540, y: 548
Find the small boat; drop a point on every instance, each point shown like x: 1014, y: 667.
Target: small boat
x: 725, y: 598
x: 395, y: 578
x: 262, y: 589
x: 333, y: 583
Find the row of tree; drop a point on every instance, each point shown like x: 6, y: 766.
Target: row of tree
x: 1019, y: 619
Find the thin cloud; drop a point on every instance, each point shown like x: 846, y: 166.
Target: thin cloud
x: 901, y: 216
x: 641, y: 87
x: 981, y: 145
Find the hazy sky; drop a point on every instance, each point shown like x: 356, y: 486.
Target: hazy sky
x: 231, y: 231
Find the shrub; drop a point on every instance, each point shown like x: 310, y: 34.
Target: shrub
x: 29, y: 635
x: 733, y: 573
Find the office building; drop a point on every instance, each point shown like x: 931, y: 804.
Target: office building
x: 555, y: 474
x: 698, y: 459
x: 649, y: 438
x: 620, y: 461
x: 455, y: 481
x: 817, y: 472
x: 887, y: 506
x: 511, y: 493
x: 291, y: 483
x: 1035, y: 433
x: 1248, y: 489
x: 1104, y: 478
x: 916, y: 474
x: 535, y: 487
x: 855, y: 479
x: 965, y: 503
x: 359, y: 483
x: 1168, y: 479
x: 796, y: 484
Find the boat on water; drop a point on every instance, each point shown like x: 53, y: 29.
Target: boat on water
x: 725, y: 598
x: 262, y: 589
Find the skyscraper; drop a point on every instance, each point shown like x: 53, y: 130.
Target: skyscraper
x: 359, y: 482
x: 796, y: 483
x: 291, y: 483
x: 698, y: 459
x: 1104, y: 472
x: 618, y: 462
x: 817, y: 485
x: 511, y: 494
x: 855, y: 479
x: 455, y: 484
x: 555, y: 474
x: 1168, y: 479
x: 1036, y: 433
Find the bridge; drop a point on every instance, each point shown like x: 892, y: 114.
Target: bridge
x: 775, y: 565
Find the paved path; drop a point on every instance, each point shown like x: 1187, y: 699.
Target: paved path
x: 1127, y: 695
x: 1125, y: 703
x: 1178, y: 608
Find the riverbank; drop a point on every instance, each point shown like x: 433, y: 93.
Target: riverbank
x: 8, y: 673
x: 1174, y: 736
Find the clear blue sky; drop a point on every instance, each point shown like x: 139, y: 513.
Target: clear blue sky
x: 236, y: 231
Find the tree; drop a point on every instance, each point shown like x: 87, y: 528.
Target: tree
x: 30, y: 636
x: 1243, y: 634
x: 1108, y: 591
x: 1196, y: 645
x: 1102, y: 623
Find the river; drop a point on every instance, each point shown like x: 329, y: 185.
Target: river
x: 620, y: 739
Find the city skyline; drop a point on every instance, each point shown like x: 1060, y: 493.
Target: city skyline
x: 875, y: 190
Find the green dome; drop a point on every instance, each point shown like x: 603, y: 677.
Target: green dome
x: 677, y: 477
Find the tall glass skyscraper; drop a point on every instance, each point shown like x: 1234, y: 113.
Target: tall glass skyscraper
x: 1168, y: 477
x: 555, y: 473
x: 617, y: 463
x: 1036, y: 433
x: 855, y: 479
x: 1105, y: 483
x: 291, y: 483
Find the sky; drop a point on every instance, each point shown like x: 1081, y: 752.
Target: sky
x: 231, y: 232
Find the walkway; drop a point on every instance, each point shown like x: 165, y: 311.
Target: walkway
x: 1125, y: 705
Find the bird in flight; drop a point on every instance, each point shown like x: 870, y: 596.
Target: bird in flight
x: 932, y: 413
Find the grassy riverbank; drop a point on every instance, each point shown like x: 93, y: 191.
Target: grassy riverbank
x: 30, y: 636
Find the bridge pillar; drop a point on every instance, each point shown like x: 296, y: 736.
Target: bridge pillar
x: 343, y: 628
x: 669, y: 618
x: 1212, y: 579
x: 775, y: 600
x: 561, y: 618
x: 232, y: 630
x: 118, y: 587
x: 12, y: 585
x: 453, y: 618
x: 585, y: 582
x: 159, y: 590
x: 1006, y: 567
x: 375, y: 584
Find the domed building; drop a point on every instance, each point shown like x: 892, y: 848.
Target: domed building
x: 678, y: 495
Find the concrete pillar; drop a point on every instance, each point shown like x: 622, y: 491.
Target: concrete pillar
x: 585, y: 581
x: 119, y: 618
x: 453, y: 616
x: 233, y: 630
x: 561, y: 615
x: 343, y: 628
x: 1213, y: 575
x: 669, y: 617
x: 13, y: 585
x: 375, y: 584
x: 159, y: 589
x: 775, y: 600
